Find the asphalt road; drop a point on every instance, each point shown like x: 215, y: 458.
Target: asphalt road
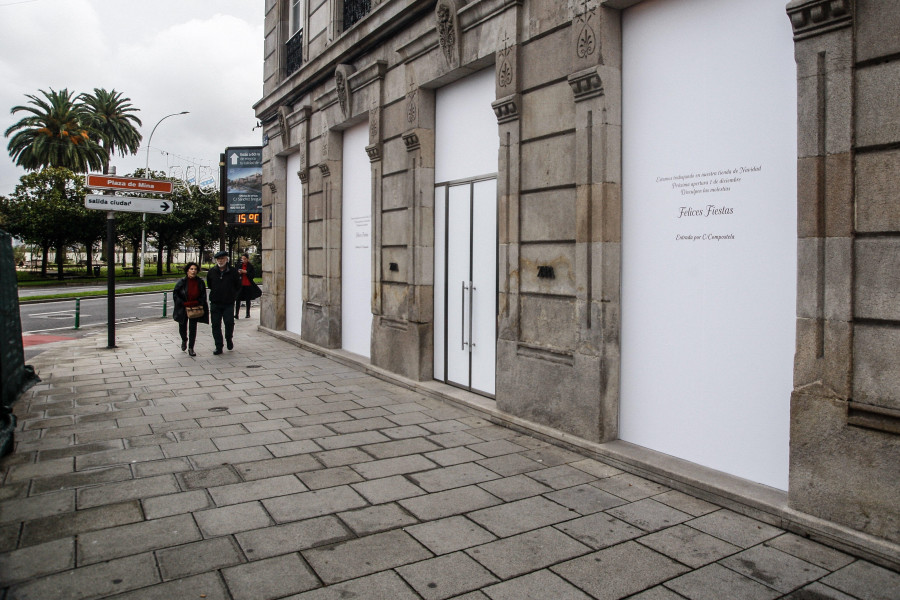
x: 58, y: 317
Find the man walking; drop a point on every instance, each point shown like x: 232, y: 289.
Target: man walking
x: 223, y: 282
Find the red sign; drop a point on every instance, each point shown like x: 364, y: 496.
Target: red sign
x: 128, y: 184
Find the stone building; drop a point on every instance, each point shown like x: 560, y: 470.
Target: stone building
x: 662, y: 232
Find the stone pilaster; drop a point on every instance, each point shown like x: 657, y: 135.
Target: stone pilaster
x: 402, y: 329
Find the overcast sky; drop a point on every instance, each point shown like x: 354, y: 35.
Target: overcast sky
x: 167, y: 56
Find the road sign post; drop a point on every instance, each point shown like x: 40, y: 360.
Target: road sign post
x: 111, y: 203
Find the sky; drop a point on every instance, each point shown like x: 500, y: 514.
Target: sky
x: 167, y: 56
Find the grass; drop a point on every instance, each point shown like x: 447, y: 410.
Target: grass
x: 158, y: 287
x: 163, y: 287
x: 80, y: 277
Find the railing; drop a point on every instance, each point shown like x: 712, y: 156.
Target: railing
x: 354, y: 10
x: 294, y: 53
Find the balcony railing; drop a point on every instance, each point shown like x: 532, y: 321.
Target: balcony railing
x: 354, y: 10
x: 294, y: 53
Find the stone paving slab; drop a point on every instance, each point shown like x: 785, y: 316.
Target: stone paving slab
x: 272, y: 473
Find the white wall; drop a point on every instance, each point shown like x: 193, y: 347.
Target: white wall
x: 709, y: 149
x: 465, y: 128
x: 356, y: 243
x: 293, y: 260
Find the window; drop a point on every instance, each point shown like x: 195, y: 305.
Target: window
x: 296, y: 16
x: 293, y: 50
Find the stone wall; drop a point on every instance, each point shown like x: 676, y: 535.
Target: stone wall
x: 558, y: 104
x: 845, y: 409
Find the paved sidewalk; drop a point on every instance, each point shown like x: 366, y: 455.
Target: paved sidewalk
x: 270, y: 472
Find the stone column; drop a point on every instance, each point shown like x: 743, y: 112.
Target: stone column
x: 402, y: 331
x: 322, y: 310
x: 845, y: 407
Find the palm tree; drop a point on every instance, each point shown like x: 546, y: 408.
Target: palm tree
x: 110, y: 118
x: 55, y: 134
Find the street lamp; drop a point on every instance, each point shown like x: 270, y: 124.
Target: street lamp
x: 147, y: 176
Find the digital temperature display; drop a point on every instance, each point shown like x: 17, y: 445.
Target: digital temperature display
x: 244, y: 218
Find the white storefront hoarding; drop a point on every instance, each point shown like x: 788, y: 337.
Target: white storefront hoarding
x: 709, y: 233
x: 356, y: 243
x: 293, y: 247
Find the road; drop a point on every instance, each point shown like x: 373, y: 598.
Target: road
x: 58, y: 317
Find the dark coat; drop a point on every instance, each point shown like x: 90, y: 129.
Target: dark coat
x: 252, y: 291
x: 179, y: 296
x: 224, y: 284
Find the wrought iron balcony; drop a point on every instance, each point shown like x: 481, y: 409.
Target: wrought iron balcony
x: 354, y: 10
x: 294, y: 53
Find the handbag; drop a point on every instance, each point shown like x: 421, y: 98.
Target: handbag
x: 194, y: 312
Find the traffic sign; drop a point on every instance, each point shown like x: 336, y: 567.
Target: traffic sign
x: 128, y: 184
x: 123, y: 203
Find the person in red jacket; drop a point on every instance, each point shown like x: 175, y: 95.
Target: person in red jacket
x: 249, y: 290
x: 190, y: 292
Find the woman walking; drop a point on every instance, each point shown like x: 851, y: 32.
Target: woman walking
x: 249, y: 290
x: 190, y: 306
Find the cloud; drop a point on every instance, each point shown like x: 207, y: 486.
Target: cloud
x: 167, y: 56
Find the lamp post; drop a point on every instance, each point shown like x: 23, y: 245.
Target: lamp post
x: 147, y: 176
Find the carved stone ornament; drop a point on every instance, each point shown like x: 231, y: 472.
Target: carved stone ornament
x: 342, y: 86
x: 586, y: 43
x: 303, y: 175
x: 412, y: 109
x: 586, y: 84
x: 504, y: 67
x: 506, y: 109
x: 411, y: 140
x: 815, y: 17
x: 283, y: 126
x: 374, y: 152
x: 323, y: 168
x: 272, y: 187
x: 448, y: 30
x: 374, y: 115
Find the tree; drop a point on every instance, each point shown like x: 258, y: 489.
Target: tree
x: 57, y: 133
x: 111, y: 121
x: 201, y: 214
x: 47, y: 208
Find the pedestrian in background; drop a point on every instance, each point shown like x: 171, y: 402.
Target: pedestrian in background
x: 249, y: 290
x: 190, y: 306
x: 224, y: 282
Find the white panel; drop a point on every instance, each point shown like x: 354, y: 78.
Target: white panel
x: 458, y: 279
x: 356, y: 251
x: 440, y: 288
x: 484, y: 278
x: 467, y: 142
x: 709, y: 233
x: 293, y: 247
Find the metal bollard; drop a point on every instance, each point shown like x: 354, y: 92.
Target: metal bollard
x: 165, y: 296
x: 77, y: 312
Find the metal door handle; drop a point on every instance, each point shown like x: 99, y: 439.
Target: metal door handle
x: 471, y: 290
x: 462, y: 334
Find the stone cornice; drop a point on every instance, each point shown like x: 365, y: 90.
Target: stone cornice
x: 586, y: 84
x: 368, y: 74
x: 374, y: 152
x: 507, y: 108
x: 411, y: 140
x: 815, y: 17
